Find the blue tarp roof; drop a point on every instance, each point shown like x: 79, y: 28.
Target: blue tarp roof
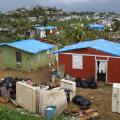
x: 31, y: 45
x: 45, y: 27
x: 96, y: 26
x: 99, y: 44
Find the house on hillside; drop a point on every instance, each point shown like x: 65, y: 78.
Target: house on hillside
x: 32, y: 19
x: 5, y: 31
x: 42, y: 31
x: 98, y: 58
x: 95, y: 26
x: 26, y: 54
x: 30, y: 33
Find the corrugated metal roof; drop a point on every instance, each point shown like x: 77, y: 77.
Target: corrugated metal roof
x: 47, y: 27
x: 96, y: 26
x: 31, y: 45
x: 2, y: 44
x: 99, y: 44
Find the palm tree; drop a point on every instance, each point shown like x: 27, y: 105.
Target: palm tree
x: 116, y: 25
x: 76, y: 33
x: 22, y: 27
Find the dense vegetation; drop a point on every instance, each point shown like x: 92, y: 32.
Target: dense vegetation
x: 70, y: 31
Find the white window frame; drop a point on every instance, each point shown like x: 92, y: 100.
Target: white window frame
x: 77, y: 61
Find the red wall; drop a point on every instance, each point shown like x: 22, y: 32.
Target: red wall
x: 89, y: 51
x: 114, y: 70
x: 88, y: 67
x: 89, y: 64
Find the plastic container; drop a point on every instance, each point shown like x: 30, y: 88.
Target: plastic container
x: 50, y: 113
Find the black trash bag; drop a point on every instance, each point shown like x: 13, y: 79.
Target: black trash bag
x: 84, y: 84
x: 0, y: 93
x: 82, y: 102
x: 78, y: 82
x: 89, y: 81
x: 8, y: 82
x: 93, y: 85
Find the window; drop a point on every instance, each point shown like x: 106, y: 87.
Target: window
x: 18, y: 57
x: 77, y: 62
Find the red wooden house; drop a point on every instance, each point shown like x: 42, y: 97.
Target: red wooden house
x: 98, y: 58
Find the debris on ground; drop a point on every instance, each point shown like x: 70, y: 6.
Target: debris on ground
x: 2, y: 100
x: 89, y: 111
x: 8, y: 87
x: 82, y: 102
x: 87, y: 83
x: 90, y: 116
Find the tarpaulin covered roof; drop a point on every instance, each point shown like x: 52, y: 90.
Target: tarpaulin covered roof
x: 31, y: 45
x: 99, y: 44
x: 96, y: 26
x: 45, y: 27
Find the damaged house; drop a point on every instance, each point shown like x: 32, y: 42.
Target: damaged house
x: 97, y: 58
x: 25, y: 54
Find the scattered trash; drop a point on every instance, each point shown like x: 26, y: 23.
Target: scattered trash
x: 55, y: 74
x: 88, y: 83
x: 5, y: 93
x: 91, y: 116
x: 71, y: 118
x: 91, y: 97
x: 39, y: 99
x: 8, y: 87
x: 2, y: 100
x: 88, y: 111
x: 82, y: 102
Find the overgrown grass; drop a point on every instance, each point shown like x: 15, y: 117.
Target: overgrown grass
x: 7, y: 113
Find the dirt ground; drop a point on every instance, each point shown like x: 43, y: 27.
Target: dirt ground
x: 39, y: 76
x: 101, y: 101
x: 102, y: 96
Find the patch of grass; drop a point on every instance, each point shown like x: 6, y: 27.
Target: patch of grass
x: 7, y: 113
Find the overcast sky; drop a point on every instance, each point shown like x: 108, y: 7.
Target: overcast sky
x: 67, y: 5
